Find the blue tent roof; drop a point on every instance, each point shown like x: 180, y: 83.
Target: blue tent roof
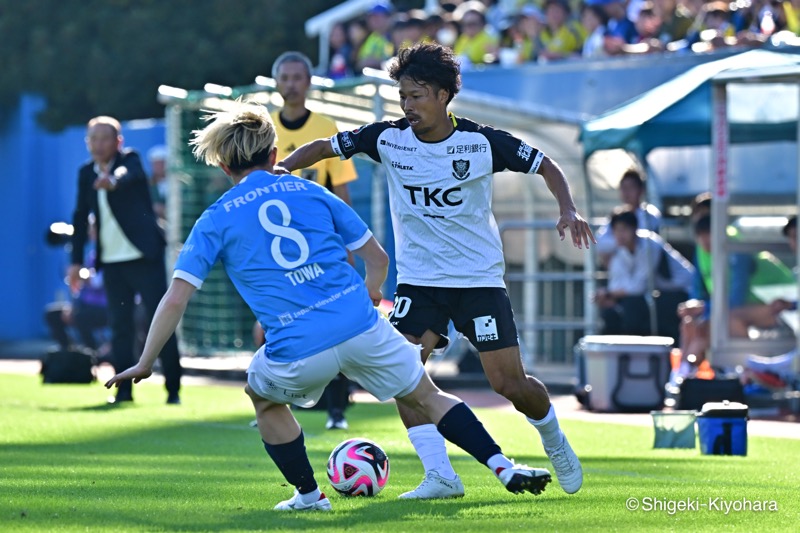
x: 678, y: 112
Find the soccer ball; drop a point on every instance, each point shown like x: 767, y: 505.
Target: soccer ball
x: 358, y: 467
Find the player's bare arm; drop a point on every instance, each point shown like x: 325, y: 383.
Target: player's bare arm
x: 376, y: 263
x: 557, y: 183
x: 307, y: 155
x: 165, y: 321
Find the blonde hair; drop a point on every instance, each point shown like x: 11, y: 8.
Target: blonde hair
x: 240, y: 138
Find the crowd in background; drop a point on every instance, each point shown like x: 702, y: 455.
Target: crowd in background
x: 485, y: 32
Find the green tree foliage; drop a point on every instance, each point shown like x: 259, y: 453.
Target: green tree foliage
x: 91, y: 57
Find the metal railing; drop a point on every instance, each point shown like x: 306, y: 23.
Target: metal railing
x: 553, y: 307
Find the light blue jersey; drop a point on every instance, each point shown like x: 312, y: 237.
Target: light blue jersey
x: 282, y: 242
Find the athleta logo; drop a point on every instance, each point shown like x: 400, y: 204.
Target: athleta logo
x: 399, y: 166
x: 485, y: 328
x: 525, y: 150
x: 460, y: 169
x: 466, y: 149
x: 431, y: 196
x: 398, y: 146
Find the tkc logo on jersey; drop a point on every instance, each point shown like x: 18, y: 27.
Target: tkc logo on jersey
x: 431, y: 196
x: 460, y: 169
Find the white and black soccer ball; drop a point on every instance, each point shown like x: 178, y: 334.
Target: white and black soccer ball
x: 358, y: 467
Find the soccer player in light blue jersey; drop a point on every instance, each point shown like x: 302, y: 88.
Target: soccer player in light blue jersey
x: 283, y: 242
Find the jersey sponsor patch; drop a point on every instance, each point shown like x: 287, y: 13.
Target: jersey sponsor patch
x: 485, y: 328
x: 347, y: 141
x: 525, y: 150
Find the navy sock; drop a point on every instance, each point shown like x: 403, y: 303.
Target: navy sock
x: 460, y: 426
x: 292, y: 461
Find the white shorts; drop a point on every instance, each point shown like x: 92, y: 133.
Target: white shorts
x: 381, y: 360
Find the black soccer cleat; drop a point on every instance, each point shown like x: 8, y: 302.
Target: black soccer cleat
x: 522, y: 478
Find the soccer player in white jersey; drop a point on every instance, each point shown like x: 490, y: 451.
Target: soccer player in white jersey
x: 449, y: 254
x: 283, y: 242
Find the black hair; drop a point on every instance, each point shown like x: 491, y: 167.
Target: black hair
x: 625, y: 217
x: 703, y: 225
x: 791, y: 224
x: 635, y: 176
x: 428, y: 64
x: 598, y: 11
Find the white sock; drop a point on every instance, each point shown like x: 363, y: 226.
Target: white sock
x: 430, y: 447
x: 311, y: 497
x: 498, y: 462
x: 548, y: 429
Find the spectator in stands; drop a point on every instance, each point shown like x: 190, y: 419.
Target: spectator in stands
x: 157, y: 156
x: 476, y: 45
x: 357, y: 33
x: 561, y: 36
x: 695, y: 313
x: 632, y: 191
x: 496, y: 15
x: 519, y: 41
x: 341, y: 53
x: 621, y: 30
x: 716, y: 30
x: 433, y: 23
x: 594, y: 20
x: 648, y: 27
x: 641, y: 264
x: 377, y: 47
x: 448, y: 34
x: 676, y: 19
x: 407, y: 30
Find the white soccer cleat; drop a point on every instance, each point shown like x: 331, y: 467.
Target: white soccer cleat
x: 336, y: 423
x: 567, y: 466
x: 521, y: 478
x: 434, y: 487
x: 296, y: 504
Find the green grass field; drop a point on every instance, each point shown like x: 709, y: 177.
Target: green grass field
x: 69, y: 463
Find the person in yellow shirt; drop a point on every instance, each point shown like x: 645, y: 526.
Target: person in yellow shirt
x: 377, y: 48
x: 475, y: 44
x: 295, y: 126
x: 561, y: 37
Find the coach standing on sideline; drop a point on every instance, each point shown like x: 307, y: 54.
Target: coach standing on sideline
x: 130, y: 246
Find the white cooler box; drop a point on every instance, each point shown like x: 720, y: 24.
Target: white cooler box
x: 625, y: 372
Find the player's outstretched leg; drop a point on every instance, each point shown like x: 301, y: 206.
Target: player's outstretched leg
x: 458, y: 424
x: 284, y: 442
x: 440, y: 480
x: 505, y: 373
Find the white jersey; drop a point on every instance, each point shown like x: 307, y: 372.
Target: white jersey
x: 441, y: 196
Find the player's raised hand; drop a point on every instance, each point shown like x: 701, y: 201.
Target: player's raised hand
x: 579, y: 229
x: 279, y: 170
x: 137, y: 373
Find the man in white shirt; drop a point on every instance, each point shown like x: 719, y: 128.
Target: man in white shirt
x: 642, y: 263
x: 130, y: 245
